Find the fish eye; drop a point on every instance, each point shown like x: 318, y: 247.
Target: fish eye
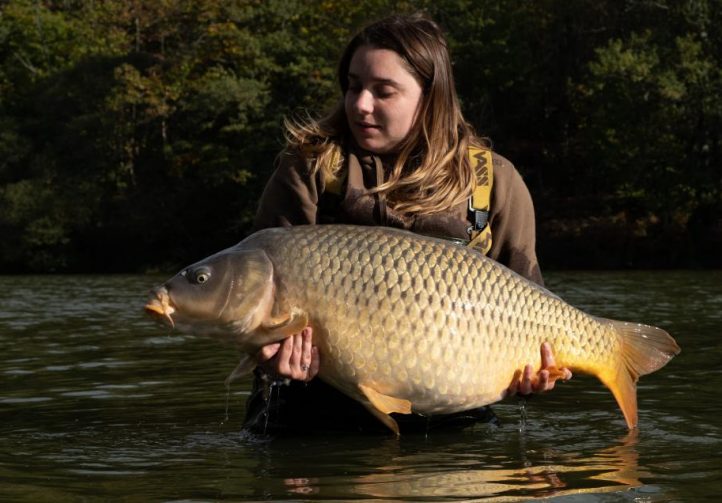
x: 201, y: 275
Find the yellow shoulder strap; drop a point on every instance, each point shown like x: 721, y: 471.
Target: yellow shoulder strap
x: 480, y: 200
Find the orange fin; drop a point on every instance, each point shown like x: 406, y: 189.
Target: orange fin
x: 276, y: 330
x: 287, y: 326
x: 644, y: 349
x: 381, y: 406
x: 624, y: 388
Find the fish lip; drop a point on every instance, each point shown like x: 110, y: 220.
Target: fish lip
x: 159, y: 307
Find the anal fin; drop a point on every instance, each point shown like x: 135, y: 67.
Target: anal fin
x: 381, y: 406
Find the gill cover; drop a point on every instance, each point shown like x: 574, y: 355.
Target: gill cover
x: 229, y: 286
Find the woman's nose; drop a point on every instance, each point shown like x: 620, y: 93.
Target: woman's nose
x: 363, y: 104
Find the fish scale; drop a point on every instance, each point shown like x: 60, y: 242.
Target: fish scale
x: 376, y: 292
x: 405, y: 322
x: 391, y: 330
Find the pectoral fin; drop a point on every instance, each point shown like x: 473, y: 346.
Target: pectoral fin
x: 381, y: 406
x: 244, y: 367
x: 275, y: 330
x: 288, y: 325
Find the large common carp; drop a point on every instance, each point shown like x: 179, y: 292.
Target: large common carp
x: 404, y: 323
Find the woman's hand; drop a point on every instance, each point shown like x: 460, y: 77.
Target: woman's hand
x: 295, y: 357
x: 526, y: 383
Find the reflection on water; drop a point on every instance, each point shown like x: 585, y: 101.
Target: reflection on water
x: 454, y: 473
x: 99, y: 401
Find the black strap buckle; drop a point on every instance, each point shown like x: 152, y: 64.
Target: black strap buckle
x: 479, y: 218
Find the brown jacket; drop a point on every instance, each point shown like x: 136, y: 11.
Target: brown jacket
x: 293, y: 197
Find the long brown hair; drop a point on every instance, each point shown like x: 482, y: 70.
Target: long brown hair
x: 431, y: 172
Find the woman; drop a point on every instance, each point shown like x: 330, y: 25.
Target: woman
x: 395, y: 152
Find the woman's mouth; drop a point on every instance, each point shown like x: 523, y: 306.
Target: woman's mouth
x: 367, y: 128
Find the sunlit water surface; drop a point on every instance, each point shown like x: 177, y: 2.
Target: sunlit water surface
x: 99, y: 403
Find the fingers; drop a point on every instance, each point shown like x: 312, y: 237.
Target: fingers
x: 282, y: 361
x: 548, y: 362
x: 547, y: 357
x: 302, y: 358
x: 513, y: 388
x: 295, y: 357
x: 267, y: 352
x: 315, y: 363
x: 532, y: 383
x: 527, y: 382
x: 306, y: 351
x: 543, y: 383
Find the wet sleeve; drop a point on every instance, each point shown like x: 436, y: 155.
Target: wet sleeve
x: 513, y: 225
x: 290, y: 196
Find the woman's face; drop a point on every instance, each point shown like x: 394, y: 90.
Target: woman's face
x: 382, y: 99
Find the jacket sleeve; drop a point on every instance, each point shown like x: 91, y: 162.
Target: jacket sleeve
x: 290, y: 196
x: 513, y: 225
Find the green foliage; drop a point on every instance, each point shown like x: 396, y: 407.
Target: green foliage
x: 653, y: 96
x: 140, y: 133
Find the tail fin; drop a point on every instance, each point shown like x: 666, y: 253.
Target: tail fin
x: 644, y: 349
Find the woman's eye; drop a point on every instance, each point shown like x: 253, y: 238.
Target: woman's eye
x: 385, y: 92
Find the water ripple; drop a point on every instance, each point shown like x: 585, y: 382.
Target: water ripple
x: 101, y: 401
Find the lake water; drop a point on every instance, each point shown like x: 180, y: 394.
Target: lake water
x: 100, y: 403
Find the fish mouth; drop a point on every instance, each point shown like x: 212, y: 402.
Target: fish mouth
x: 159, y: 306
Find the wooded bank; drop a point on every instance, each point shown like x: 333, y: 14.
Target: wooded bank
x: 138, y: 135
